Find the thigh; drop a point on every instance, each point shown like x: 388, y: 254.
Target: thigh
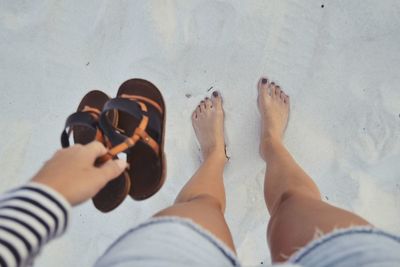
x: 205, y: 211
x: 299, y: 218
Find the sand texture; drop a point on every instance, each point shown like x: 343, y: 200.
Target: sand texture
x: 340, y: 63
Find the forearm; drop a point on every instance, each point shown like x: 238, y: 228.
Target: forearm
x: 30, y: 216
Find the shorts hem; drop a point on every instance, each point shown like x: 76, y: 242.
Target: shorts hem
x: 314, y: 244
x: 216, y: 242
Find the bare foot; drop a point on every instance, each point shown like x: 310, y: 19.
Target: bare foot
x: 208, y: 124
x: 273, y: 105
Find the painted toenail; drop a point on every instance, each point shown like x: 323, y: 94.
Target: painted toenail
x: 264, y: 81
x: 215, y: 93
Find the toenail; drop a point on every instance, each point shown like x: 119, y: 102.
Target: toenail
x: 215, y: 93
x: 264, y: 81
x: 272, y: 83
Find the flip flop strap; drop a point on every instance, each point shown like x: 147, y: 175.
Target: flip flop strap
x: 79, y: 118
x: 144, y: 99
x: 122, y: 142
x: 92, y: 111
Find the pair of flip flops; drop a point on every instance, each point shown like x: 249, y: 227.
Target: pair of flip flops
x: 133, y: 123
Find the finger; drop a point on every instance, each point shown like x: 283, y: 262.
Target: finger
x: 112, y: 169
x: 95, y: 149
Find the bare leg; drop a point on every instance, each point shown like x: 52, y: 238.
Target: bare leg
x: 293, y: 199
x: 202, y: 199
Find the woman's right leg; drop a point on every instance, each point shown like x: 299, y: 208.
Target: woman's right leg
x: 293, y: 199
x: 202, y: 199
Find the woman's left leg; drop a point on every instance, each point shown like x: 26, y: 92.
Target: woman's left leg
x: 202, y: 199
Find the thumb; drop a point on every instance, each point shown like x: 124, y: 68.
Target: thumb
x: 112, y: 168
x: 95, y: 149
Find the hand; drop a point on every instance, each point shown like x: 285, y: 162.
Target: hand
x: 72, y: 173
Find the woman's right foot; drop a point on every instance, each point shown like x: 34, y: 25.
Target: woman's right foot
x: 273, y: 105
x: 208, y: 124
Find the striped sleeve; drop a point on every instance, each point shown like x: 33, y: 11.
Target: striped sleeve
x: 30, y: 216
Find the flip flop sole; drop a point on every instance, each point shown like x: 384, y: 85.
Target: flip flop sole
x: 148, y: 170
x: 112, y: 195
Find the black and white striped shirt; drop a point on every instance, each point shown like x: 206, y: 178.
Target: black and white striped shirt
x: 30, y: 216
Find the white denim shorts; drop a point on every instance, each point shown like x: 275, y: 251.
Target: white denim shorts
x: 168, y: 241
x: 355, y: 246
x: 173, y: 241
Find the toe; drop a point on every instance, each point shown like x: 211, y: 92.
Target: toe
x: 278, y: 91
x: 263, y: 84
x: 194, y: 114
x: 280, y: 94
x: 208, y: 103
x: 287, y: 99
x: 203, y: 105
x: 272, y: 89
x: 283, y: 96
x: 216, y: 100
x: 199, y: 109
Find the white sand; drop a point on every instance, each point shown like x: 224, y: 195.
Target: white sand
x: 340, y: 64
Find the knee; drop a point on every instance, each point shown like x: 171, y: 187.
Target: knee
x: 294, y: 195
x: 285, y: 226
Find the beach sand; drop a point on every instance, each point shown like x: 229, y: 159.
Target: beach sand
x: 338, y: 60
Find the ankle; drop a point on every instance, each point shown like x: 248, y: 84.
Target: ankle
x: 217, y: 156
x: 272, y: 135
x: 269, y: 145
x: 271, y: 140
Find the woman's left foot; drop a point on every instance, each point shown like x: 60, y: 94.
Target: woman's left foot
x: 208, y: 124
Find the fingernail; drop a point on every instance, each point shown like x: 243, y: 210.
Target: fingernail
x: 215, y: 94
x: 121, y: 164
x: 264, y: 81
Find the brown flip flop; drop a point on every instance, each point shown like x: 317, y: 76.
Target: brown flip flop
x: 83, y: 124
x: 139, y: 133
